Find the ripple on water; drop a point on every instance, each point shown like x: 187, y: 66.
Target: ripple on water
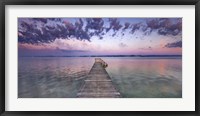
x: 134, y: 77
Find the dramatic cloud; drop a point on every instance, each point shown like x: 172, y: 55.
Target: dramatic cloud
x: 29, y: 32
x: 135, y: 27
x: 175, y: 44
x: 43, y: 20
x: 114, y: 24
x: 95, y: 25
x: 165, y: 26
x: 47, y: 30
x: 126, y: 25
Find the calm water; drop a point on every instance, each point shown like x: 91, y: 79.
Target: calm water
x: 62, y: 77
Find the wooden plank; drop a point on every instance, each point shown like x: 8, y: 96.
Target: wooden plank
x: 98, y: 84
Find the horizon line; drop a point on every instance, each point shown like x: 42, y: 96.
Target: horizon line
x: 108, y: 56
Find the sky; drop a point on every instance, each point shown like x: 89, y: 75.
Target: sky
x: 99, y: 36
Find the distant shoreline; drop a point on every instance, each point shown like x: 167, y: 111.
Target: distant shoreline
x: 112, y: 56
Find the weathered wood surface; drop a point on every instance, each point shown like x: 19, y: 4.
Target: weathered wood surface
x: 98, y: 83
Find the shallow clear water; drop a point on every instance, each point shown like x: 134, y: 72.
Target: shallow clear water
x: 51, y: 76
x: 146, y: 77
x: 62, y: 77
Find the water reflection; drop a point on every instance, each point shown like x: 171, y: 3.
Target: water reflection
x: 62, y: 77
x: 51, y: 77
x: 146, y: 77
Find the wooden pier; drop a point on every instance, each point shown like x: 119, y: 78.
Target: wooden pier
x: 98, y: 84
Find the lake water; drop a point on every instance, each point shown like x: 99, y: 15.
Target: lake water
x: 62, y: 77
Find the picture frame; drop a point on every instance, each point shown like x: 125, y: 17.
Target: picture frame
x: 3, y: 57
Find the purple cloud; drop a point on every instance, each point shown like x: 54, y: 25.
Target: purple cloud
x: 165, y: 26
x: 174, y: 44
x: 42, y: 30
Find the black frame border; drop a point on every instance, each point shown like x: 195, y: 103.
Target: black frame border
x: 3, y: 3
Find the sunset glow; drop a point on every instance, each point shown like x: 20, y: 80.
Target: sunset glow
x: 99, y: 36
